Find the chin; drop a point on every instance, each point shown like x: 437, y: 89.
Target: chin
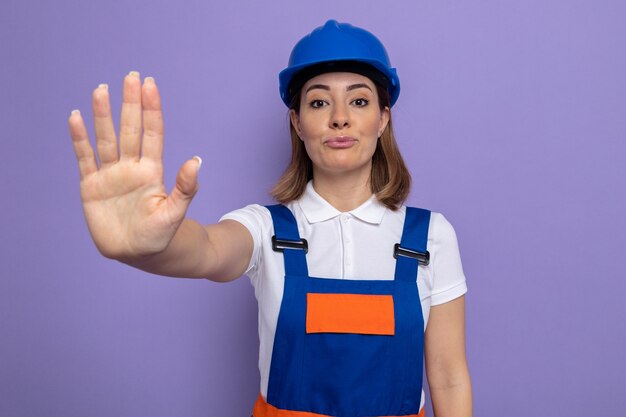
x: 345, y: 168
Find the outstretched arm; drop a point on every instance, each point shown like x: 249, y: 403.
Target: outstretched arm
x: 130, y: 216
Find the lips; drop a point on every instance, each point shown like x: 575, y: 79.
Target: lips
x: 340, y: 142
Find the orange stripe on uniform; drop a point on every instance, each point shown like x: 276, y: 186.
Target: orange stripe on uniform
x: 350, y: 313
x: 263, y: 409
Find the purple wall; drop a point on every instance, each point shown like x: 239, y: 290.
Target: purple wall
x: 512, y: 118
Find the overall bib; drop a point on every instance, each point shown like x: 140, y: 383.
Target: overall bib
x: 347, y: 348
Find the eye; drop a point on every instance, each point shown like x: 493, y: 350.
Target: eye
x: 360, y: 102
x: 316, y: 104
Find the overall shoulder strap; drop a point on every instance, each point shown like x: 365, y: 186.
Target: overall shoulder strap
x: 287, y: 240
x: 411, y: 251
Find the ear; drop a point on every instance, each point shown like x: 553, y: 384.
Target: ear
x: 295, y: 122
x: 385, y: 115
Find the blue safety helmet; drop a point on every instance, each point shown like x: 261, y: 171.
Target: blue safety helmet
x: 338, y: 47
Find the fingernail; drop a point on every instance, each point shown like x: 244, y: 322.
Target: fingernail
x: 199, y: 161
x: 134, y: 74
x: 76, y: 111
x: 148, y: 80
x: 105, y: 86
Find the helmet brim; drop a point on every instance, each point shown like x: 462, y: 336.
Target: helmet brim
x: 294, y: 77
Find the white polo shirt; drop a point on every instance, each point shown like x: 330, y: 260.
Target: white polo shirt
x: 353, y: 245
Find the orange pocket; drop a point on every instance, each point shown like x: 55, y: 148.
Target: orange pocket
x: 350, y: 313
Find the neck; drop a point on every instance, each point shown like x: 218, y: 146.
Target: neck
x: 344, y: 192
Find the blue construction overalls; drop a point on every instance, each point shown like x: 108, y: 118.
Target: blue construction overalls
x: 347, y: 348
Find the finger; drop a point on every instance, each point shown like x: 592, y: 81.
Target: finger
x: 130, y: 121
x: 82, y: 148
x: 106, y: 142
x: 186, y: 187
x: 152, y: 142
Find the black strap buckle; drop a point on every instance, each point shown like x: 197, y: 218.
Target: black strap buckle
x: 423, y: 258
x: 279, y: 245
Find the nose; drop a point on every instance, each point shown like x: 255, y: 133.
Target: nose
x: 340, y: 117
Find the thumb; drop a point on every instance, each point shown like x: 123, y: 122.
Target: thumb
x: 186, y: 184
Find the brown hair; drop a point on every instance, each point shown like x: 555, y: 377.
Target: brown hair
x: 390, y: 179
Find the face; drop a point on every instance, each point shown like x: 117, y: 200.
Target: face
x: 340, y: 121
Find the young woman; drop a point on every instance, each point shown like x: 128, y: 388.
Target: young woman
x: 346, y: 276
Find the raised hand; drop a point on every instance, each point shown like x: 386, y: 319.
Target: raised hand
x: 128, y: 211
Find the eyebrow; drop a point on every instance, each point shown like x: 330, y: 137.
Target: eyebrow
x: 319, y: 86
x: 355, y: 86
x: 327, y: 88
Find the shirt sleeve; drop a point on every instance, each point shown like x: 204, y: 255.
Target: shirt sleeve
x: 448, y: 277
x: 256, y: 219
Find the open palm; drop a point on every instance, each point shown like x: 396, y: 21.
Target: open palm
x: 128, y: 211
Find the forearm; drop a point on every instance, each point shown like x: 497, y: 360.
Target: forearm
x: 187, y: 254
x: 453, y: 399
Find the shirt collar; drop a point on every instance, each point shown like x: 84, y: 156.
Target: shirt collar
x: 316, y: 209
